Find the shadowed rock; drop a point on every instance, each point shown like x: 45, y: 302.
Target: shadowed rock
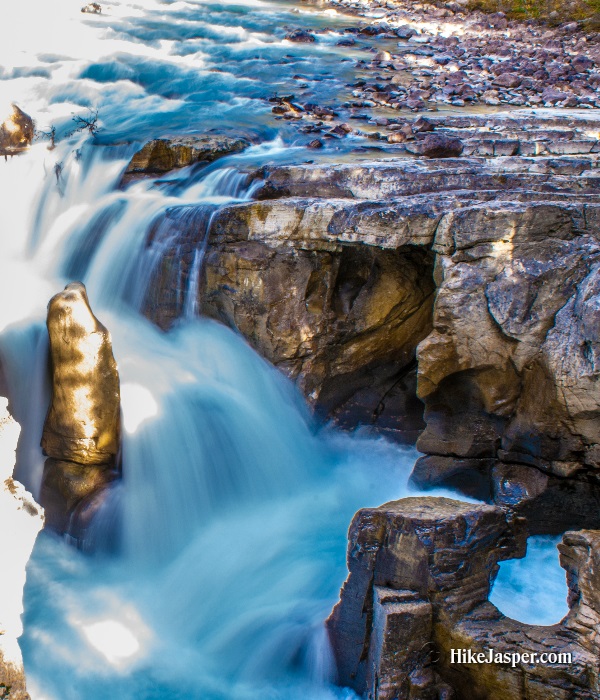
x: 421, y: 570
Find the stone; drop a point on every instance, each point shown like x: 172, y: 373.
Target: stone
x: 16, y: 132
x: 507, y: 80
x: 420, y: 573
x: 437, y: 146
x: 301, y: 36
x: 83, y: 421
x: 414, y: 565
x: 93, y: 8
x: 21, y: 519
x: 162, y: 155
x: 405, y: 32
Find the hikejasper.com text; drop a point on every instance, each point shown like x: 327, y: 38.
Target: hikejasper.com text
x: 468, y: 656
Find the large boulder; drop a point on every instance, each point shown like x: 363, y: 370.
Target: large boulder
x: 16, y: 132
x: 83, y: 422
x: 81, y: 435
x: 162, y: 155
x: 420, y: 572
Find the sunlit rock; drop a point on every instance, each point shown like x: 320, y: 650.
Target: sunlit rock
x: 162, y: 155
x: 82, y: 430
x: 83, y: 423
x: 16, y: 132
x: 92, y: 8
x: 20, y: 521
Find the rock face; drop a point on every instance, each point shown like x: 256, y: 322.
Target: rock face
x: 486, y: 262
x: 162, y: 155
x: 420, y: 575
x: 20, y: 521
x: 81, y: 435
x: 16, y: 133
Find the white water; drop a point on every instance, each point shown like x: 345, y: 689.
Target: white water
x: 230, y: 522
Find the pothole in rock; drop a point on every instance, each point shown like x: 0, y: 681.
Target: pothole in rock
x: 533, y: 589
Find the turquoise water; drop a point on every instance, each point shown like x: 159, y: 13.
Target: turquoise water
x: 228, y: 532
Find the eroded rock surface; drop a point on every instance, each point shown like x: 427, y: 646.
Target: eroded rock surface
x: 81, y: 435
x: 487, y: 263
x: 21, y: 518
x: 162, y: 155
x: 420, y: 572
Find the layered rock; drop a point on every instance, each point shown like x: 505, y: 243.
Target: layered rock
x: 162, y: 155
x: 420, y: 572
x: 81, y: 435
x: 332, y: 272
x: 21, y: 518
x: 16, y: 133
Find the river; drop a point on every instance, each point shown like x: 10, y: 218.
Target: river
x: 222, y: 551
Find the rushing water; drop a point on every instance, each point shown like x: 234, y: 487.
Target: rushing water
x: 231, y: 518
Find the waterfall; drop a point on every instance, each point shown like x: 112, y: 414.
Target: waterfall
x: 220, y: 553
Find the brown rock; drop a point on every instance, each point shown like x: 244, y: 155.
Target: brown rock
x: 162, y: 155
x: 16, y: 133
x: 411, y: 561
x: 507, y: 80
x: 420, y: 571
x: 437, y: 146
x: 83, y: 422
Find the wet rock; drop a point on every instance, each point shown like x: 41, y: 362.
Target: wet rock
x: 81, y: 435
x: 21, y: 518
x: 16, y: 133
x: 316, y: 143
x: 301, y: 36
x: 93, y: 8
x: 437, y: 146
x: 420, y: 573
x: 415, y: 566
x: 336, y: 319
x: 405, y: 32
x: 83, y: 422
x: 162, y: 155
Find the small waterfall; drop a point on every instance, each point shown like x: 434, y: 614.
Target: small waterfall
x: 221, y: 551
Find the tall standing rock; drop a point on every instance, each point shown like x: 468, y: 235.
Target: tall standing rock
x: 82, y: 430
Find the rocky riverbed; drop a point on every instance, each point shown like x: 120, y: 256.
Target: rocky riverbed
x: 424, y: 58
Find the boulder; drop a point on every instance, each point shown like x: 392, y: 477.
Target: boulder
x: 301, y: 36
x: 437, y: 146
x: 81, y: 435
x: 162, y: 155
x: 414, y: 564
x: 16, y: 132
x: 416, y: 597
x: 83, y: 421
